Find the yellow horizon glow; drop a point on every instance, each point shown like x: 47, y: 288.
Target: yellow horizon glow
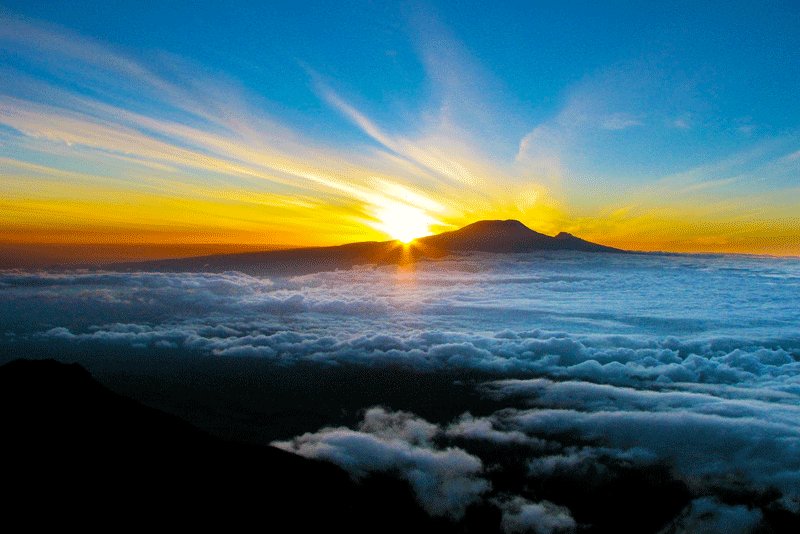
x: 81, y: 214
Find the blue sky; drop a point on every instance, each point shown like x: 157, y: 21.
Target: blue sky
x: 598, y: 108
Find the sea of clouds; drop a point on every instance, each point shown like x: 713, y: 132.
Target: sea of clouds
x: 692, y: 361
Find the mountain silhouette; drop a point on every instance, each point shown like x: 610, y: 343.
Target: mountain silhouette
x: 509, y: 236
x: 76, y: 453
x: 505, y: 237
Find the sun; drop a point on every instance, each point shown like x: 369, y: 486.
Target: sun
x: 403, y: 222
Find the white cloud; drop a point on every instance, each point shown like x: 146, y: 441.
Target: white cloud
x: 485, y: 429
x: 619, y: 121
x: 710, y: 516
x: 682, y: 123
x: 702, y: 448
x: 521, y: 515
x: 445, y: 480
x: 794, y: 156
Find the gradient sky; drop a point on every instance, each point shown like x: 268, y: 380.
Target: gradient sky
x: 653, y: 127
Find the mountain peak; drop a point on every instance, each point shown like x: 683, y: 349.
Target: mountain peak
x: 507, y: 235
x: 494, y: 226
x: 496, y: 223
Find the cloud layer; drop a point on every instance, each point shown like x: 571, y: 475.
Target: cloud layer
x: 687, y: 362
x: 624, y: 320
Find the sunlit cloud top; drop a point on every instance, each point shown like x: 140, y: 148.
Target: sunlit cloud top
x: 282, y: 126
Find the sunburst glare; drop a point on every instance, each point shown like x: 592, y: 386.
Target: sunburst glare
x: 403, y: 222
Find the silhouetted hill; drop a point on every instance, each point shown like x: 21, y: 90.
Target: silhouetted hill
x: 293, y: 261
x: 491, y: 236
x: 508, y: 236
x: 75, y: 453
x: 570, y: 242
x: 505, y: 237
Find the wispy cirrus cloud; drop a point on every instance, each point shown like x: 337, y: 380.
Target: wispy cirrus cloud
x: 620, y: 121
x: 168, y: 123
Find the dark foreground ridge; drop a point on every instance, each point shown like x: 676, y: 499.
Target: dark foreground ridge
x: 508, y: 236
x: 75, y: 453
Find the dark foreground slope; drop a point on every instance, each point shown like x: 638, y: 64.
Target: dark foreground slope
x: 484, y: 236
x: 75, y: 453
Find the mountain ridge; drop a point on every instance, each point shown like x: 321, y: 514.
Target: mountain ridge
x: 492, y: 236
